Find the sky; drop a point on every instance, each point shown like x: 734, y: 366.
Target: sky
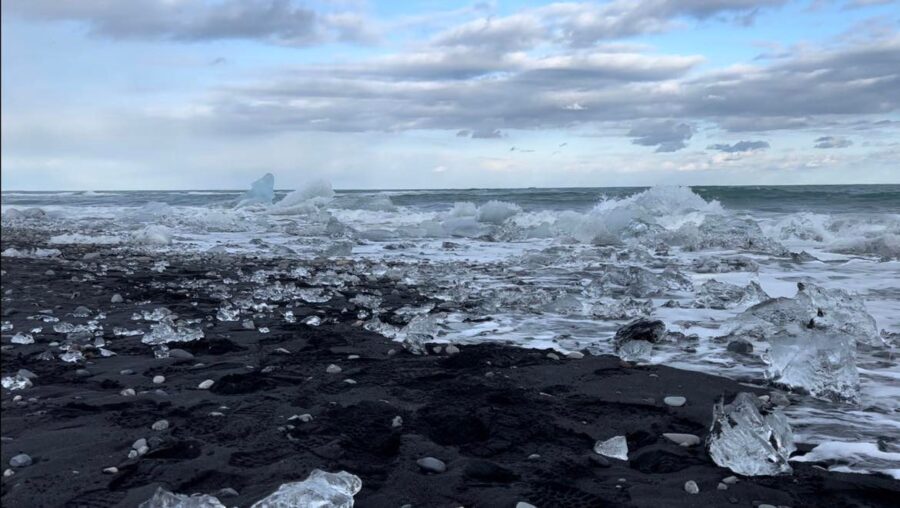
x: 211, y: 94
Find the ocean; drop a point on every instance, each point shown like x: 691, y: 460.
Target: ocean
x: 565, y: 268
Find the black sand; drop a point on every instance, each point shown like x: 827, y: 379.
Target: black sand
x: 483, y: 411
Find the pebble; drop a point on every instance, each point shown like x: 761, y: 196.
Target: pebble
x: 523, y: 504
x: 722, y: 486
x: 682, y: 439
x: 281, y: 351
x: 160, y: 425
x: 248, y: 324
x: 451, y: 349
x: 432, y: 465
x: 82, y: 373
x: 206, y: 385
x: 350, y: 381
x: 180, y: 354
x: 128, y: 392
x: 8, y: 472
x: 27, y: 374
x: 20, y: 460
x: 575, y: 355
x: 111, y: 470
x: 353, y: 357
x: 691, y: 487
x: 397, y: 421
x: 140, y: 443
x: 534, y: 456
x: 675, y: 401
x: 730, y: 480
x: 333, y: 369
x: 159, y: 380
x: 553, y: 356
x: 116, y: 298
x: 305, y: 418
x: 126, y: 372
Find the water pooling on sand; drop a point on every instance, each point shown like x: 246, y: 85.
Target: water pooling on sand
x: 565, y: 268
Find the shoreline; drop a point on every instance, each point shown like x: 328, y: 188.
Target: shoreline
x: 484, y: 411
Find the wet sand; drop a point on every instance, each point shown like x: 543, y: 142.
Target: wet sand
x: 510, y: 424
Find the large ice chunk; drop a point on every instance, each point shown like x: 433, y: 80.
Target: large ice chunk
x: 748, y: 439
x: 819, y: 362
x: 261, y: 192
x: 832, y: 310
x: 421, y: 329
x: 162, y: 498
x: 722, y: 295
x: 320, y: 490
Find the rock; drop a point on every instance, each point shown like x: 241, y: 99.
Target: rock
x: 451, y: 349
x: 158, y: 380
x: 682, y: 439
x: 180, y: 354
x: 248, y: 324
x: 432, y: 465
x: 397, y: 422
x: 730, y: 480
x: 206, y: 385
x: 27, y: 374
x: 305, y: 418
x: 675, y: 401
x: 634, y: 341
x: 82, y: 373
x: 160, y: 425
x: 553, y: 356
x: 721, y: 486
x: 111, y: 470
x: 140, y: 443
x: 575, y: 355
x: 740, y: 346
x: 523, y: 504
x: 128, y: 392
x: 691, y: 487
x: 333, y: 369
x: 116, y: 298
x: 20, y: 460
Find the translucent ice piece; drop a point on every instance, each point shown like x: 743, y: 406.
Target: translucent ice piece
x: 17, y: 382
x: 750, y: 441
x: 722, y: 295
x: 261, y: 191
x: 22, y: 338
x: 320, y: 490
x: 166, y: 331
x: 615, y: 447
x: 634, y: 341
x: 819, y: 362
x: 162, y: 498
x: 420, y: 330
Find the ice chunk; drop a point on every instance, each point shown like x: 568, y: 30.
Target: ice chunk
x: 167, y: 331
x: 615, y: 447
x: 162, y: 498
x: 421, y: 329
x: 320, y: 490
x: 713, y: 294
x: 17, y: 382
x: 723, y: 265
x: 832, y: 310
x: 819, y: 362
x: 228, y: 313
x: 22, y: 338
x: 152, y: 235
x: 626, y: 308
x: 634, y: 341
x: 750, y: 440
x: 307, y: 198
x: 261, y: 192
x: 639, y: 282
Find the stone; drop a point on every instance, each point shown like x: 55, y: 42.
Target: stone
x: 691, y: 487
x: 20, y: 460
x: 451, y: 349
x: 397, y: 422
x: 140, y: 443
x: 333, y: 369
x: 432, y: 465
x: 523, y: 504
x: 116, y: 298
x: 160, y: 425
x: 553, y: 356
x: 159, y: 380
x: 721, y: 486
x: 111, y: 470
x: 740, y: 346
x: 682, y: 439
x: 675, y: 401
x: 206, y: 385
x: 575, y: 355
x: 128, y: 392
x: 730, y: 480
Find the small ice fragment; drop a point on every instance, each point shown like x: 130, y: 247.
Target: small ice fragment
x: 312, y: 321
x: 22, y: 338
x: 320, y: 489
x: 750, y: 441
x: 228, y: 313
x: 614, y: 447
x: 17, y: 382
x: 162, y: 498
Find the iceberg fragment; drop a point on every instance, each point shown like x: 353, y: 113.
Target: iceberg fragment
x: 162, y: 498
x: 320, y: 490
x: 713, y: 294
x: 420, y: 330
x: 749, y: 439
x: 17, y: 382
x: 168, y: 331
x: 819, y: 362
x: 261, y: 192
x: 614, y: 447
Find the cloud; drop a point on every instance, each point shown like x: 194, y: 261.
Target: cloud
x: 740, y: 146
x: 832, y: 142
x: 276, y: 21
x: 666, y: 136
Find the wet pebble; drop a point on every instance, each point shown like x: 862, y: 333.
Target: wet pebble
x: 160, y: 425
x: 333, y: 369
x: 116, y: 298
x: 20, y: 460
x: 158, y: 380
x: 691, y: 487
x: 206, y: 385
x: 675, y: 401
x: 432, y: 465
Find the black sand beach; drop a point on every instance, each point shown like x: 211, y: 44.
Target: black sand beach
x: 512, y: 425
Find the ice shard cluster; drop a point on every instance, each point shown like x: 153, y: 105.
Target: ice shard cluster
x: 750, y: 439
